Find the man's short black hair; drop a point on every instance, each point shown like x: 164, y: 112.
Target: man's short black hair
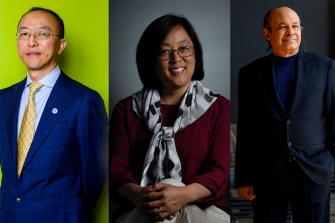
x: 57, y: 17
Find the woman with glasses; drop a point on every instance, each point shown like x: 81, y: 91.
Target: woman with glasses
x: 169, y: 142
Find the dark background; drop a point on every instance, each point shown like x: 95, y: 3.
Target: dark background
x: 247, y: 42
x: 231, y: 35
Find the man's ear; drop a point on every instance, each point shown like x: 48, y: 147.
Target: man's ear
x: 62, y: 46
x: 266, y: 33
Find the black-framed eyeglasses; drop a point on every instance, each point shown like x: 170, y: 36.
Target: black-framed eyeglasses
x: 185, y: 51
x: 40, y: 35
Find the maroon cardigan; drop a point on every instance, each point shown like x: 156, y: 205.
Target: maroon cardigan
x: 203, y: 148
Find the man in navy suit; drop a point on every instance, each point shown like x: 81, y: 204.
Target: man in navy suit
x: 66, y: 165
x: 286, y: 128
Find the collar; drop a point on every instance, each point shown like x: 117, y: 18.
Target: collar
x: 49, y: 80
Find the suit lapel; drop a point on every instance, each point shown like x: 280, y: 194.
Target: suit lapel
x: 12, y: 112
x: 57, y: 102
x: 270, y: 93
x: 304, y: 73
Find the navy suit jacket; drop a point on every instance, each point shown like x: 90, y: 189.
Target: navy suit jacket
x: 66, y: 165
x: 267, y: 134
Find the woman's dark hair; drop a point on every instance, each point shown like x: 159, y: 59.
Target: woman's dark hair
x: 54, y: 14
x: 151, y: 40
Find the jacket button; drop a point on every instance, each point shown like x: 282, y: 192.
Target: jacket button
x: 289, y: 144
x: 18, y: 200
x: 288, y: 122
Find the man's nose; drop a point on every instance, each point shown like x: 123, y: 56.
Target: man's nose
x: 290, y: 30
x: 32, y: 40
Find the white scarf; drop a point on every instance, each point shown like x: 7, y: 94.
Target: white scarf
x: 162, y: 160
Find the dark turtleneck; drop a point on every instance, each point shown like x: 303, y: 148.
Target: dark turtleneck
x: 285, y: 74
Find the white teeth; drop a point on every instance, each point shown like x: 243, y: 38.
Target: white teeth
x: 178, y: 69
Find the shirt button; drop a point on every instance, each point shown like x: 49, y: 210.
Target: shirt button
x: 18, y: 200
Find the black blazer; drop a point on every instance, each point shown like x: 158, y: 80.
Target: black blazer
x: 267, y: 134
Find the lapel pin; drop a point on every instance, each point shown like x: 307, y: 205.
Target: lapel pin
x: 54, y: 111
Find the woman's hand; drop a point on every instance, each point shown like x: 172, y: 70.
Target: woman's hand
x: 162, y: 201
x: 166, y: 200
x: 135, y: 193
x: 139, y: 201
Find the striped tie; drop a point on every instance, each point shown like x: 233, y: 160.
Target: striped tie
x: 27, y: 127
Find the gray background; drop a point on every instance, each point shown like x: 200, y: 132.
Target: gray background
x: 247, y: 43
x: 129, y: 18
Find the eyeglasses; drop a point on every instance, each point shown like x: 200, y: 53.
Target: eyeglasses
x: 37, y: 35
x: 185, y: 51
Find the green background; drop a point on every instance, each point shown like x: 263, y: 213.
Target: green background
x: 84, y: 59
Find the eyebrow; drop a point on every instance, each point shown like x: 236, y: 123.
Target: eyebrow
x: 180, y: 42
x: 285, y: 24
x: 41, y: 27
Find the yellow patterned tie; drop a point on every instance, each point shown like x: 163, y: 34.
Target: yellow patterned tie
x: 27, y: 127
